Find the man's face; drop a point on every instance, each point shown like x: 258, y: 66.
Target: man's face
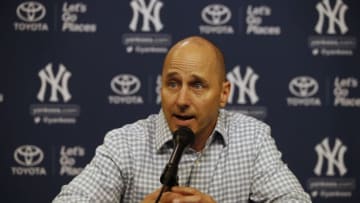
x: 192, y: 90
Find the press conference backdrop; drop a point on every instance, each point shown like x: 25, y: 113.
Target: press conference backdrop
x: 73, y: 70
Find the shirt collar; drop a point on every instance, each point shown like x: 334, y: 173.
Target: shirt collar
x: 163, y: 134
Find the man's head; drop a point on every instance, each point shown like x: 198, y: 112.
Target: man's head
x: 194, y: 86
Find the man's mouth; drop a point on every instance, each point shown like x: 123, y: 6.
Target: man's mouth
x: 183, y: 117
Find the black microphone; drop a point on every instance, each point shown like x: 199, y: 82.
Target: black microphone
x: 182, y: 137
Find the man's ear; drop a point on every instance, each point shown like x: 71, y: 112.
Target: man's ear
x: 225, y: 93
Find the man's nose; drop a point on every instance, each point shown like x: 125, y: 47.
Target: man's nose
x: 183, y: 98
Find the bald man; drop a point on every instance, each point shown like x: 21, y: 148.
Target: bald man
x: 233, y: 158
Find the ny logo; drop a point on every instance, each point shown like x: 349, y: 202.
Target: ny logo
x: 336, y: 16
x: 150, y: 13
x: 335, y: 157
x: 58, y: 83
x: 246, y: 85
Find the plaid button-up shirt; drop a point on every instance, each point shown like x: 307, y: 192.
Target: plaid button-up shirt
x: 240, y: 162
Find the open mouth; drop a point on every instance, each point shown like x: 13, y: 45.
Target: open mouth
x: 183, y: 117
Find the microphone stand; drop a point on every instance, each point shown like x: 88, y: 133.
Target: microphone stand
x: 163, y: 188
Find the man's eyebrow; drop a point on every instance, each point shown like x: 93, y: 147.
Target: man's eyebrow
x: 171, y: 74
x: 193, y: 76
x: 199, y: 78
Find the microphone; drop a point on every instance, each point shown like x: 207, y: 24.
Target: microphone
x: 182, y: 137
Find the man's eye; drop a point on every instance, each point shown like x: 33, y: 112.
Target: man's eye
x: 198, y: 85
x: 172, y: 84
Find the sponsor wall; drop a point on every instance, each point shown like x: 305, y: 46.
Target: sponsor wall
x: 73, y: 70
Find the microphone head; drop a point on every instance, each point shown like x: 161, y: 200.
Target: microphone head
x: 183, y: 136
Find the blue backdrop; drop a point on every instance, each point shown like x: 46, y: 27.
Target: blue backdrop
x: 72, y: 70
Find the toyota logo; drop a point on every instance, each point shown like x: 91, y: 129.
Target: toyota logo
x: 216, y: 14
x: 31, y: 11
x: 125, y: 84
x: 303, y: 86
x: 28, y: 155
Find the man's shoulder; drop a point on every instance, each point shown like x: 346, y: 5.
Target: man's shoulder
x: 242, y: 128
x: 240, y: 120
x: 135, y: 130
x: 245, y: 132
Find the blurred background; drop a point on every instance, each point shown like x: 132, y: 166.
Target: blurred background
x: 72, y: 70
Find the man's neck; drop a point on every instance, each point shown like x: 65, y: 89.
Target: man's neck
x: 201, y: 140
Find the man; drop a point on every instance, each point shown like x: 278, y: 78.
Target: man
x: 233, y: 158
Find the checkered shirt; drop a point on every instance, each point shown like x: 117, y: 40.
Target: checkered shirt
x: 239, y: 163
